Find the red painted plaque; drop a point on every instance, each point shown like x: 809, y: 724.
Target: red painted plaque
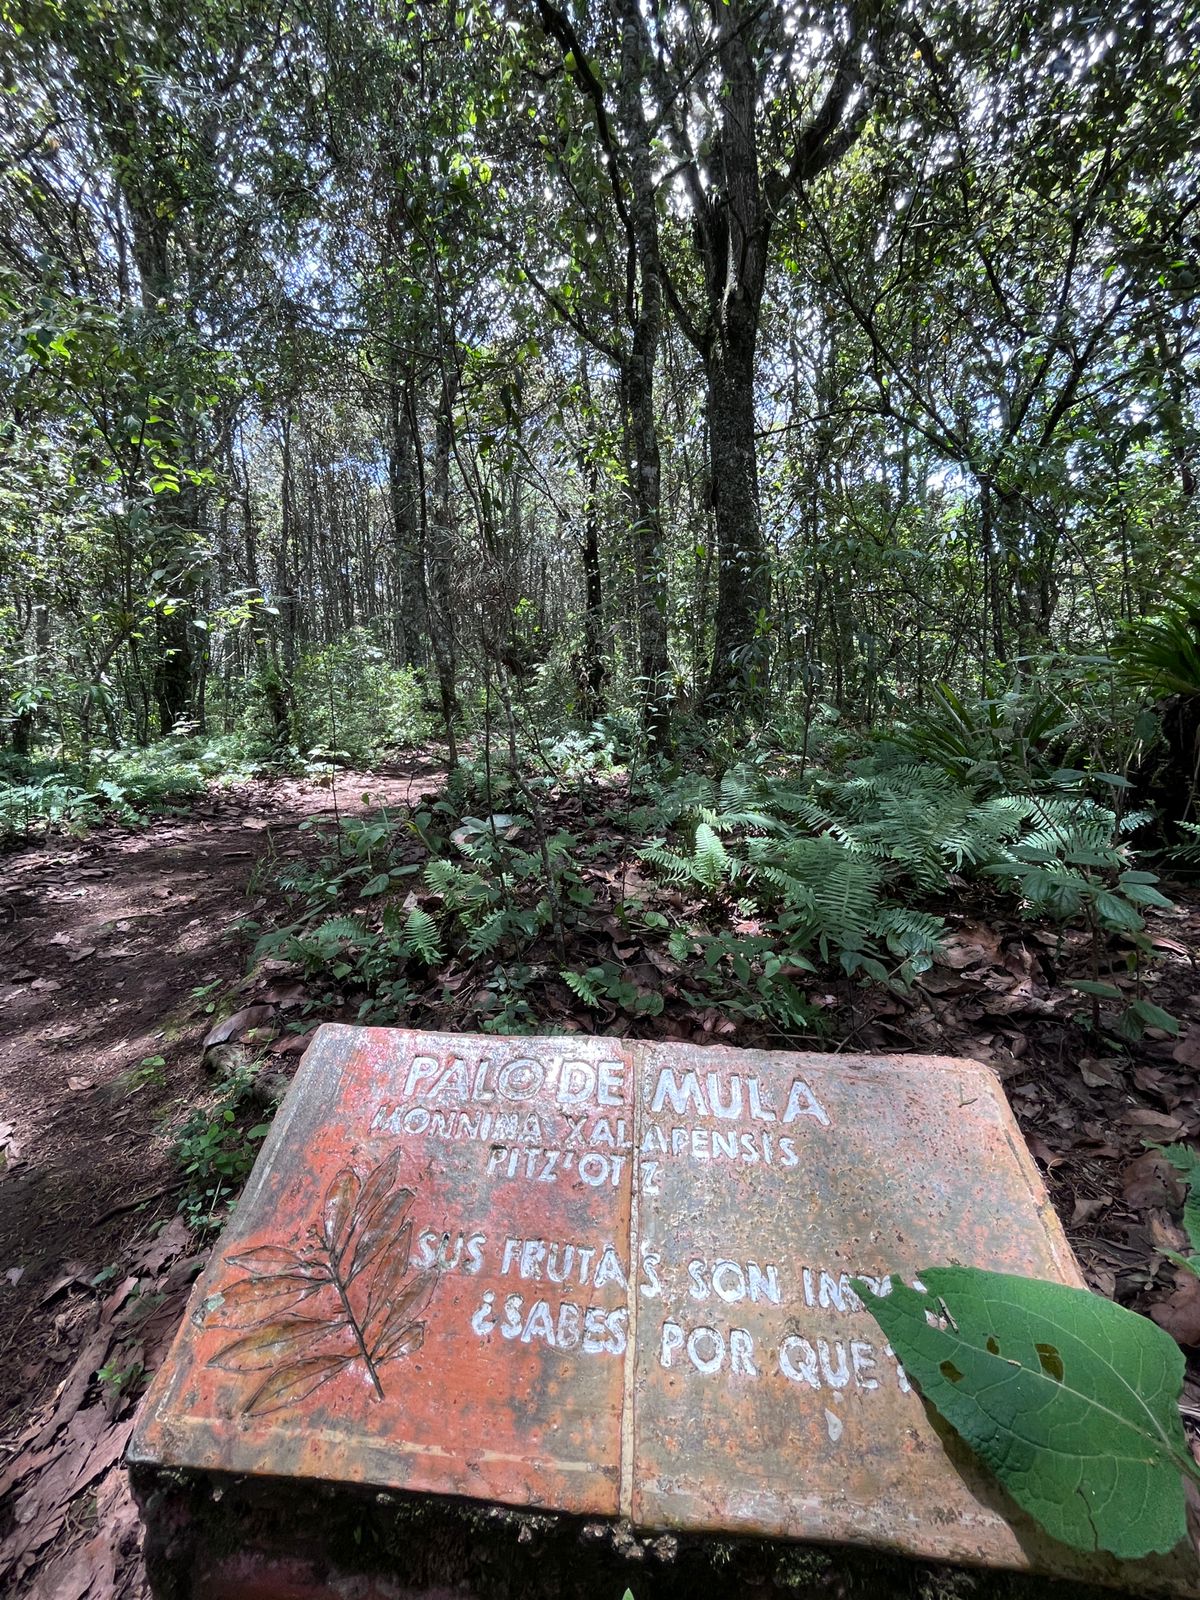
x: 424, y: 1284
x: 614, y: 1279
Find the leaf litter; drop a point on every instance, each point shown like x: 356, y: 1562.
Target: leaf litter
x: 998, y: 992
x: 79, y: 1296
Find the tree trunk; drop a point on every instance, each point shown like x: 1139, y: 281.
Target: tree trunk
x: 439, y: 556
x: 645, y: 471
x: 593, y: 673
x: 402, y: 484
x: 285, y: 597
x: 645, y: 488
x: 738, y: 227
x: 739, y: 657
x: 173, y: 641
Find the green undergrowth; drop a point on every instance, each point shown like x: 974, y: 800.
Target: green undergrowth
x: 43, y: 796
x: 217, y: 1144
x: 517, y: 896
x: 348, y: 701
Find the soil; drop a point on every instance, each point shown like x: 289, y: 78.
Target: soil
x: 117, y: 948
x: 103, y: 942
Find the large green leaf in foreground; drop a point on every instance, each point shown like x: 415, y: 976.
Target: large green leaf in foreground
x: 1070, y: 1400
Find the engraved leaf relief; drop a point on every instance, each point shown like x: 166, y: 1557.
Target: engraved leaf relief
x: 345, y: 1296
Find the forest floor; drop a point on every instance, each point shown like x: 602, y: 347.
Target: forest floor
x: 102, y: 943
x: 114, y: 952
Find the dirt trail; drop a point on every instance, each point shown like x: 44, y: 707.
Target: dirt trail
x: 101, y: 944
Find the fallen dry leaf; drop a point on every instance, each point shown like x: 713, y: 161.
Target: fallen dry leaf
x: 287, y: 996
x: 292, y: 1044
x: 167, y: 1243
x: 1179, y: 1313
x: 238, y: 1025
x: 75, y: 1272
x: 1098, y: 1072
x: 1154, y: 1123
x: 1042, y: 1152
x: 1103, y: 1280
x: 1150, y: 1180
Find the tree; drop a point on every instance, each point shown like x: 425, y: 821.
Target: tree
x: 791, y: 89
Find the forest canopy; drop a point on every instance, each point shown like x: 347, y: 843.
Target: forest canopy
x: 741, y: 359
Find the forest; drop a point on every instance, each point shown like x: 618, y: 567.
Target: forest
x: 671, y: 520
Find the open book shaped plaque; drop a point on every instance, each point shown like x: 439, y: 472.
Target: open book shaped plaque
x: 613, y: 1279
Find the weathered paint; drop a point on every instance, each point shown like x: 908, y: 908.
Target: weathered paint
x: 613, y: 1279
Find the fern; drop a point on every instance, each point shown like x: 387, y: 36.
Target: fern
x: 581, y: 986
x: 484, y: 939
x: 818, y: 866
x: 1189, y: 851
x: 710, y: 860
x: 677, y: 868
x: 910, y: 933
x: 421, y: 937
x: 338, y: 931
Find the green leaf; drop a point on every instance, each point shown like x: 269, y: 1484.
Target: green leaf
x: 1117, y: 913
x: 376, y: 886
x: 1152, y: 1016
x: 1143, y: 894
x: 1187, y: 1164
x: 421, y: 937
x: 1071, y: 1400
x: 581, y: 984
x: 710, y: 862
x: 1106, y: 991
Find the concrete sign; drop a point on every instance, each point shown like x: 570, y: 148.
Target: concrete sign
x: 613, y: 1279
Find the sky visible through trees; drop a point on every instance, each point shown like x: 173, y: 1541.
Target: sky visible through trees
x: 700, y: 359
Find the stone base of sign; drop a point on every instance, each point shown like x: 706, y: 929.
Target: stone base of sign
x: 212, y: 1537
x: 613, y: 1281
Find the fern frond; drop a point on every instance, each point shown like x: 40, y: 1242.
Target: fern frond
x: 674, y: 866
x: 581, y: 986
x: 457, y: 887
x: 481, y: 941
x: 909, y: 932
x: 421, y: 937
x: 342, y: 930
x: 710, y: 862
